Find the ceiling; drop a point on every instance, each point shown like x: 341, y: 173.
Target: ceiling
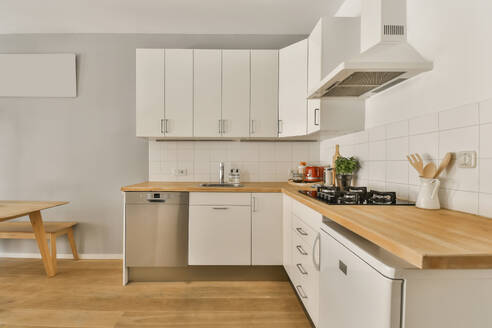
x: 163, y: 16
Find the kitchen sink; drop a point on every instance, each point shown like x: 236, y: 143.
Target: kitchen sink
x: 228, y: 185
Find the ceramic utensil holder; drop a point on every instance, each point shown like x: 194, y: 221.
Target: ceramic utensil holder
x: 428, y: 197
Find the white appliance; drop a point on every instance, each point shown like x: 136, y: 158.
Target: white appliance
x: 362, y: 285
x: 386, y: 58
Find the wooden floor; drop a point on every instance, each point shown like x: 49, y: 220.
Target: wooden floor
x: 89, y: 294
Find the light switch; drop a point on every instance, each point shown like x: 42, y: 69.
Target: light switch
x: 466, y: 159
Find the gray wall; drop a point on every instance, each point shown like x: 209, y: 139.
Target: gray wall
x: 84, y: 149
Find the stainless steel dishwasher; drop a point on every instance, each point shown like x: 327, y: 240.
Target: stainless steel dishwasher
x: 156, y: 229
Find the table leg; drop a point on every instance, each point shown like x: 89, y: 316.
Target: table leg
x: 38, y: 229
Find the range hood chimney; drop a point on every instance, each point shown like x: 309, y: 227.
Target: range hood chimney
x: 386, y: 58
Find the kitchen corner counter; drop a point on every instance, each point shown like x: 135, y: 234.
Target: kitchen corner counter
x: 428, y: 239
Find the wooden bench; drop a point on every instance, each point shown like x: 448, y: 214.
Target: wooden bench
x: 23, y: 230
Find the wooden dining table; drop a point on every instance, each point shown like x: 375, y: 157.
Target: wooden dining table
x: 12, y: 209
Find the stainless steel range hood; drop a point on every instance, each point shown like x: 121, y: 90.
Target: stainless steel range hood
x: 386, y: 60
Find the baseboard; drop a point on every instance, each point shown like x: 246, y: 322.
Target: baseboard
x: 64, y: 256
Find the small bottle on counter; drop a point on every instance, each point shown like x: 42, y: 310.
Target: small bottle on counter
x: 235, y: 177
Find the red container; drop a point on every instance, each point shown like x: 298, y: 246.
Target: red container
x: 313, y: 174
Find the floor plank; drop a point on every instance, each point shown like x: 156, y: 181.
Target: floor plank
x: 88, y: 293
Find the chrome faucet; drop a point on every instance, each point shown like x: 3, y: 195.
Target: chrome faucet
x: 221, y: 173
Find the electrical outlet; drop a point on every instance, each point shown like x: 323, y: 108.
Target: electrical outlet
x: 466, y: 159
x: 180, y: 172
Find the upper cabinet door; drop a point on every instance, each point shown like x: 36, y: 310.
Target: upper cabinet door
x: 315, y: 53
x: 264, y: 93
x: 207, y: 93
x: 293, y: 62
x: 150, y: 92
x: 235, y: 93
x: 178, y: 93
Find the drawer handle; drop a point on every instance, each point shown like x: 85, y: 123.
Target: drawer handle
x: 301, y: 291
x: 220, y: 208
x: 342, y: 266
x: 156, y: 200
x: 301, y: 250
x: 301, y: 268
x: 301, y: 231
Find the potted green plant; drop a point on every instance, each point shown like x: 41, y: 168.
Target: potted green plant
x: 345, y: 168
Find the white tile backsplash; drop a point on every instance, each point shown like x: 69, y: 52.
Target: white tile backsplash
x: 377, y: 151
x: 257, y: 161
x: 377, y: 133
x: 424, y: 124
x: 486, y: 111
x: 459, y: 117
x: 426, y: 145
x: 397, y: 172
x: 397, y: 129
x: 383, y: 151
x: 377, y: 170
x: 485, y: 167
x: 458, y: 140
x: 485, y: 205
x: 460, y: 179
x: 457, y: 200
x: 397, y: 149
x: 485, y: 141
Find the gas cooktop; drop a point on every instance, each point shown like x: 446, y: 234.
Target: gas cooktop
x: 354, y: 196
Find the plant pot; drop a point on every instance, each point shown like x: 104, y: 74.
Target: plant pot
x: 344, y: 181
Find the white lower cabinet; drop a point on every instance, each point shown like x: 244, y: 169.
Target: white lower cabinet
x: 266, y: 223
x: 219, y: 235
x: 302, y: 264
x: 235, y: 228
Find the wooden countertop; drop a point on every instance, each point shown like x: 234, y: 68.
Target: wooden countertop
x: 11, y: 209
x: 441, y: 239
x: 195, y: 186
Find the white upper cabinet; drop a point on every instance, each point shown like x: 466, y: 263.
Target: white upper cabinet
x: 150, y: 92
x: 235, y: 93
x: 264, y: 93
x: 293, y: 89
x: 207, y: 93
x: 315, y: 54
x: 178, y: 120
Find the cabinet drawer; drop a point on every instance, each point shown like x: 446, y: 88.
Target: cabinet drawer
x: 220, y: 198
x: 308, y: 215
x: 304, y: 231
x: 300, y: 247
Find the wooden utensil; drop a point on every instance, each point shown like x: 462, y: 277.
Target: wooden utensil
x: 444, y: 164
x: 429, y: 171
x: 417, y: 162
x: 333, y: 172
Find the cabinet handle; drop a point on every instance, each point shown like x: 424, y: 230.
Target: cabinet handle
x: 302, y: 232
x: 253, y: 126
x: 343, y: 267
x: 301, y: 291
x: 254, y: 204
x: 301, y: 268
x: 220, y: 208
x: 316, y: 242
x: 165, y: 125
x: 162, y: 125
x: 316, y: 122
x: 280, y: 126
x: 223, y: 126
x: 220, y: 126
x: 301, y: 250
